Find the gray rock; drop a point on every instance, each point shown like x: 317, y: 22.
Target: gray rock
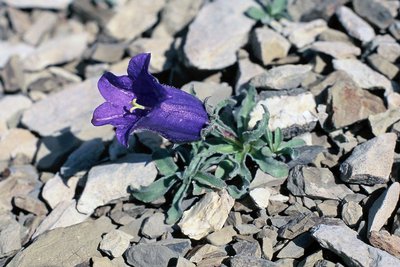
x: 134, y: 170
x: 42, y: 25
x: 307, y: 10
x: 56, y: 4
x: 108, y: 52
x: 182, y: 262
x: 144, y: 255
x: 17, y: 142
x: 336, y: 49
x: 387, y: 47
x: 206, y: 251
x: 56, y: 51
x: 30, y: 204
x: 222, y: 237
x: 79, y: 244
x: 214, y: 92
x: 12, y: 106
x: 297, y: 225
x: 9, y: 48
x: 366, y: 164
x: 374, y: 12
x: 82, y: 158
x: 332, y: 35
x: 13, y: 75
x: 247, y: 248
x: 178, y: 245
x: 245, y: 261
x: 217, y: 33
x: 19, y: 19
x: 297, y: 247
x: 10, y: 235
x: 304, y: 33
x: 381, y: 122
x: 352, y: 213
x: 317, y: 183
x: 382, y: 209
x: 384, y: 66
x: 342, y: 241
x: 247, y: 70
x: 57, y: 190
x: 260, y: 196
x: 247, y: 229
x: 53, y: 114
x: 268, y: 45
x: 115, y: 243
x: 328, y: 208
x: 354, y: 25
x: 154, y: 226
x: 282, y: 77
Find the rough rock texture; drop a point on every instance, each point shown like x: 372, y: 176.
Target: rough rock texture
x: 354, y: 25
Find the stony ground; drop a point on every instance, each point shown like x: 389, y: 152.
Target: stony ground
x: 329, y: 74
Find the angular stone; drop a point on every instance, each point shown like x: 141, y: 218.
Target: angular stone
x: 388, y: 48
x: 20, y: 20
x: 366, y: 164
x: 245, y: 261
x: 42, y: 25
x: 182, y: 262
x: 115, y: 243
x: 16, y: 142
x: 299, y: 224
x: 12, y: 106
x: 382, y: 121
x: 108, y: 53
x: 222, y: 237
x: 56, y: 51
x: 207, y: 215
x: 363, y: 75
x: 144, y: 255
x: 10, y: 235
x: 178, y: 245
x: 332, y: 35
x: 328, y: 208
x: 307, y: 10
x: 336, y: 49
x: 354, y: 25
x: 202, y: 252
x: 316, y: 183
x: 57, y: 190
x: 350, y: 104
x: 13, y: 75
x: 374, y: 12
x: 56, y: 4
x: 162, y: 52
x: 297, y: 247
x: 384, y: 66
x: 247, y: 70
x: 303, y: 33
x: 247, y: 229
x: 352, y: 213
x: 154, y: 226
x: 385, y: 241
x: 282, y: 77
x: 260, y: 197
x: 30, y: 204
x: 342, y: 241
x: 213, y: 92
x: 141, y: 14
x: 268, y: 45
x: 382, y: 209
x: 217, y: 33
x: 132, y: 170
x: 10, y: 48
x: 79, y: 244
x: 247, y: 248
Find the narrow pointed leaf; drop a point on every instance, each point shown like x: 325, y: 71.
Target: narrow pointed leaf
x: 209, y: 180
x: 269, y: 165
x: 259, y: 130
x: 224, y: 168
x: 295, y: 142
x: 247, y: 105
x: 164, y: 162
x: 175, y: 211
x: 278, y: 138
x: 256, y: 13
x: 156, y: 190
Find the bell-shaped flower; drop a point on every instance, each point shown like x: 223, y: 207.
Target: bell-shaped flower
x: 138, y: 101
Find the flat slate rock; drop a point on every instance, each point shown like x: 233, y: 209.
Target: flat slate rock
x: 144, y: 255
x: 217, y: 33
x: 354, y: 25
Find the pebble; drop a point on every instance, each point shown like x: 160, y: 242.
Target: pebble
x: 260, y: 197
x: 328, y: 208
x: 247, y: 70
x: 132, y: 170
x: 57, y: 190
x: 297, y: 247
x: 336, y: 49
x: 216, y: 34
x: 16, y: 142
x: 10, y: 235
x: 13, y: 75
x: 30, y: 204
x: 366, y: 164
x: 108, y: 52
x: 207, y: 215
x: 247, y: 248
x: 352, y: 213
x: 385, y: 241
x: 11, y: 48
x: 154, y: 226
x: 354, y: 25
x: 384, y: 66
x: 381, y: 122
x: 222, y: 237
x: 115, y: 243
x: 213, y: 92
x: 244, y: 261
x: 144, y: 255
x: 303, y: 33
x: 374, y: 12
x: 12, y: 106
x: 41, y: 26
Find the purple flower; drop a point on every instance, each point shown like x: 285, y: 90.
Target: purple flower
x: 138, y: 101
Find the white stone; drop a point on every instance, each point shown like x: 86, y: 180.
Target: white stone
x: 57, y: 190
x: 17, y: 141
x: 260, y: 196
x: 303, y: 33
x: 336, y: 49
x: 12, y: 105
x: 354, y: 25
x: 45, y: 4
x: 207, y: 215
x: 9, y: 48
x: 111, y: 181
x: 115, y: 243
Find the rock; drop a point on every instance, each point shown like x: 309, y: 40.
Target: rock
x: 374, y: 12
x: 108, y: 52
x: 20, y: 20
x: 341, y: 240
x: 11, y: 48
x: 13, y: 75
x: 303, y: 33
x: 42, y: 25
x: 30, y: 204
x: 182, y: 262
x: 382, y: 209
x: 297, y: 247
x: 115, y: 243
x: 348, y: 103
x: 352, y: 213
x: 243, y: 261
x: 316, y: 183
x: 63, y: 215
x: 294, y: 114
x: 134, y: 170
x: 57, y: 190
x: 79, y: 244
x: 82, y: 158
x: 268, y: 45
x: 178, y: 245
x: 143, y: 255
x: 10, y: 235
x: 307, y: 10
x: 143, y: 15
x: 161, y: 49
x: 328, y: 208
x: 207, y: 215
x: 56, y: 4
x: 383, y: 66
x: 247, y: 229
x: 260, y: 197
x: 363, y: 75
x: 366, y: 164
x: 385, y: 241
x: 262, y: 179
x: 213, y: 92
x: 222, y: 237
x: 202, y: 252
x: 282, y: 77
x: 382, y: 121
x: 336, y: 49
x: 297, y: 225
x: 394, y: 29
x: 216, y: 34
x: 12, y: 107
x: 247, y: 248
x: 354, y: 25
x: 247, y: 70
x: 387, y: 47
x: 53, y: 114
x: 154, y: 226
x: 316, y: 259
x: 16, y: 142
x: 56, y: 51
x: 175, y: 16
x: 332, y: 35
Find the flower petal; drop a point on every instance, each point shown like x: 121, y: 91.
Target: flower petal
x: 138, y: 64
x: 123, y: 132
x: 116, y: 89
x: 107, y: 113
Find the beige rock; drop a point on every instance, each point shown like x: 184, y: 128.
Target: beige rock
x: 304, y: 33
x: 17, y: 141
x: 385, y: 241
x: 12, y: 106
x: 208, y: 215
x: 354, y: 25
x: 336, y: 49
x: 115, y: 243
x: 260, y: 197
x: 382, y: 121
x: 57, y: 190
x: 222, y: 237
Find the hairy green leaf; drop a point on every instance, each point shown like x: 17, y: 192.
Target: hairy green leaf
x: 269, y: 165
x: 164, y: 162
x: 175, y: 211
x: 277, y: 7
x: 256, y: 13
x: 278, y: 138
x: 224, y: 168
x: 259, y: 129
x: 209, y: 180
x: 155, y: 190
x: 247, y: 105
